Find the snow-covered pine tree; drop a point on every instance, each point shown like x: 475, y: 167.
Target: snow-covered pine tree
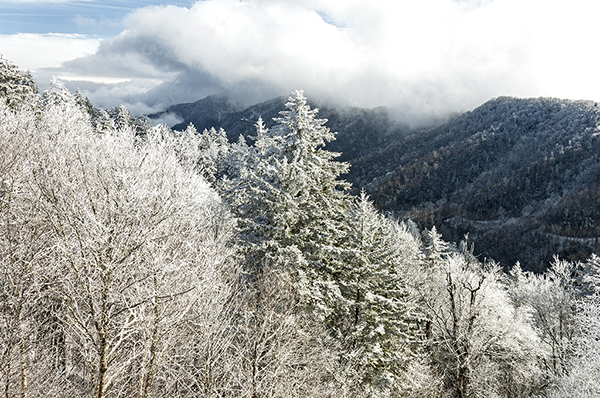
x: 17, y: 86
x: 214, y: 148
x: 376, y: 318
x: 122, y: 116
x: 436, y: 249
x: 349, y: 259
x: 288, y: 197
x: 291, y: 210
x: 85, y: 104
x: 278, y: 189
x: 104, y: 123
x: 588, y: 276
x: 57, y: 96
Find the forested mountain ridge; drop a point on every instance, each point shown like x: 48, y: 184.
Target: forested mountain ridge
x: 360, y: 131
x: 521, y: 176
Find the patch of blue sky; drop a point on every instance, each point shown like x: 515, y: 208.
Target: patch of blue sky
x: 99, y: 18
x: 327, y: 18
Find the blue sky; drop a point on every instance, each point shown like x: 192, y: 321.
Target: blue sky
x: 423, y: 58
x: 101, y: 18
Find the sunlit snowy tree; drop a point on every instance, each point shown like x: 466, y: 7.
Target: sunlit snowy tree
x: 135, y: 254
x: 481, y: 343
x: 583, y: 366
x: 552, y: 298
x: 24, y: 304
x: 17, y: 86
x: 570, y: 324
x: 116, y: 260
x: 288, y: 198
x: 375, y: 317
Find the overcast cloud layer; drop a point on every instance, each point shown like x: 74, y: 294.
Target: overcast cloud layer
x: 422, y: 57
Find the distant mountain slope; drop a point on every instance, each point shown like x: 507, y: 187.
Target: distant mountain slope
x: 360, y: 131
x: 205, y: 113
x: 521, y: 176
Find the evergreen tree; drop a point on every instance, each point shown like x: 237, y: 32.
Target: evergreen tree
x: 105, y: 124
x: 123, y: 118
x: 17, y: 86
x: 287, y: 196
x: 57, y: 96
x: 142, y: 125
x: 435, y: 247
x: 375, y: 317
x: 351, y: 262
x: 214, y: 148
x: 588, y: 276
x: 85, y: 104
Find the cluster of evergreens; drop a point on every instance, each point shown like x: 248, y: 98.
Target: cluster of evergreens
x: 137, y: 261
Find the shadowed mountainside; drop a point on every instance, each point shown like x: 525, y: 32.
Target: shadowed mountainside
x: 521, y: 176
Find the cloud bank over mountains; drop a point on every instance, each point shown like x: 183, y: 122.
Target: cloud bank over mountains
x: 425, y: 58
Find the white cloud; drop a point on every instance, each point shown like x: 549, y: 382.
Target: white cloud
x: 93, y: 79
x: 170, y: 119
x: 99, y: 22
x: 34, y: 51
x: 424, y: 57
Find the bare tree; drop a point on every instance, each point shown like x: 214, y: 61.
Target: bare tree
x: 584, y: 362
x: 115, y: 253
x: 25, y: 333
x: 480, y: 342
x: 279, y: 349
x: 552, y: 298
x: 134, y: 253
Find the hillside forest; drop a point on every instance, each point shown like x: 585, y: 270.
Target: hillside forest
x: 141, y: 261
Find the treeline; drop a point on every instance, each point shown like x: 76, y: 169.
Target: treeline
x: 137, y: 261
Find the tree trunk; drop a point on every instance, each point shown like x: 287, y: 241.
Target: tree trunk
x: 102, y: 369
